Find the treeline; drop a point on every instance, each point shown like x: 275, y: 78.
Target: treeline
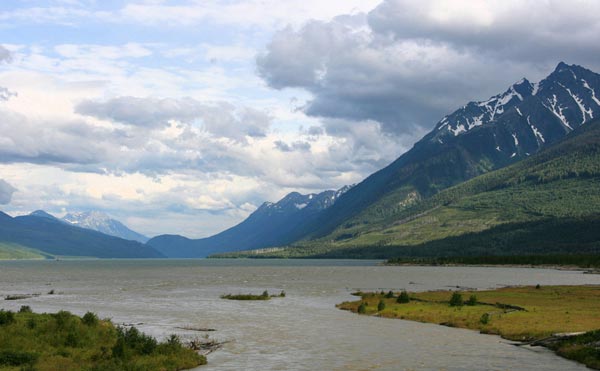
x: 579, y: 260
x: 548, y: 236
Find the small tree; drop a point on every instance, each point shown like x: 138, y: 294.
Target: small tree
x: 25, y: 309
x: 89, y: 319
x: 265, y: 294
x: 456, y: 300
x: 403, y: 298
x: 362, y: 308
x: 485, y: 318
x: 472, y: 300
x: 381, y: 305
x: 389, y: 295
x: 6, y: 317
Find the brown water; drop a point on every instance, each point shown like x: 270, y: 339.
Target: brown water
x: 303, y: 331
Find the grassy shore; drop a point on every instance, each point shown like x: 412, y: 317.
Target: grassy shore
x: 63, y: 341
x: 526, y: 314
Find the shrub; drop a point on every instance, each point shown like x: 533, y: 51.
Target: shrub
x: 6, y: 317
x: 90, y: 319
x: 282, y: 294
x: 25, y: 309
x: 362, y: 308
x: 389, y: 295
x: 380, y: 306
x: 403, y: 298
x: 16, y: 358
x: 72, y: 340
x: 31, y: 324
x: 472, y: 300
x: 62, y: 318
x: 485, y: 318
x: 265, y: 294
x: 456, y: 300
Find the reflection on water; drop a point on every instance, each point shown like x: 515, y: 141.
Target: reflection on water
x: 303, y: 331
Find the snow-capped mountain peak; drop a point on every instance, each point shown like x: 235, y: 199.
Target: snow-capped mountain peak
x: 527, y: 115
x: 102, y: 222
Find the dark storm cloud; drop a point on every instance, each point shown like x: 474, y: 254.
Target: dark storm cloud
x: 409, y: 63
x: 6, y: 192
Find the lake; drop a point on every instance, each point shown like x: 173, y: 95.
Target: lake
x: 304, y: 330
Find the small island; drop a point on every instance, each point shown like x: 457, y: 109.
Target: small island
x: 562, y: 318
x: 264, y: 296
x: 63, y: 341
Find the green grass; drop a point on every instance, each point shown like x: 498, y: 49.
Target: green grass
x: 12, y: 251
x: 63, y: 341
x: 515, y: 313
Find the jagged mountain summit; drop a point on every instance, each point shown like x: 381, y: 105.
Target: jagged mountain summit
x: 533, y: 112
x: 272, y: 224
x: 102, y: 222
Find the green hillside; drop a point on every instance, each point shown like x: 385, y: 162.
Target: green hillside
x: 548, y: 203
x: 10, y: 251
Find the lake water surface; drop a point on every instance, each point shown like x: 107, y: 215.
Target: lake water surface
x: 303, y: 331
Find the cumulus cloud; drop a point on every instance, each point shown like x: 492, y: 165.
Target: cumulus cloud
x: 221, y: 118
x: 6, y: 192
x: 409, y: 63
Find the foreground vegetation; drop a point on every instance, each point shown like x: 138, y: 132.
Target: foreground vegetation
x: 63, y: 341
x: 531, y: 314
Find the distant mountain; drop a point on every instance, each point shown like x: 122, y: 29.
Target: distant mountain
x: 477, y: 138
x: 44, y: 233
x: 272, y: 224
x: 101, y: 222
x: 548, y: 203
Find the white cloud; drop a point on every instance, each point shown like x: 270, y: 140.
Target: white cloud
x: 408, y: 63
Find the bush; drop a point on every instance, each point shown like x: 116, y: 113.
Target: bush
x: 362, y: 308
x: 456, y: 300
x: 265, y: 294
x: 282, y: 294
x: 62, y: 318
x: 6, y: 317
x: 25, y: 309
x: 472, y: 300
x: 90, y: 319
x: 16, y: 358
x: 389, y: 295
x: 403, y: 298
x: 380, y: 306
x: 485, y: 318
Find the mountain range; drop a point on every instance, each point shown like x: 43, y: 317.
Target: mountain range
x: 488, y: 152
x: 272, y: 224
x: 475, y: 139
x: 548, y: 203
x: 42, y: 235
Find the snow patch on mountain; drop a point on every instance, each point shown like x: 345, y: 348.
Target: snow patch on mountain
x: 103, y: 223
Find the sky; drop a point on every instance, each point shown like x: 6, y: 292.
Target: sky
x: 183, y: 117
